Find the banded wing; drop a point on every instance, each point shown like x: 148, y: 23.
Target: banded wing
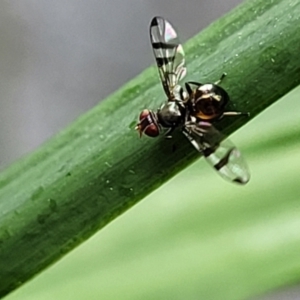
x: 218, y: 151
x: 168, y: 53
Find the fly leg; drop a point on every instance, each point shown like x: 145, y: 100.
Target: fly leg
x: 189, y: 88
x: 168, y: 133
x: 221, y: 79
x: 231, y: 113
x: 235, y: 113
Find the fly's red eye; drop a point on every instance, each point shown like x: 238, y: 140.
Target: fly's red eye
x: 147, y: 124
x: 144, y: 114
x: 152, y: 130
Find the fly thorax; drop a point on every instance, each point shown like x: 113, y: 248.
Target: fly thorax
x: 170, y: 114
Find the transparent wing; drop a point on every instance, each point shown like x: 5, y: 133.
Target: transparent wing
x: 168, y: 53
x: 218, y: 151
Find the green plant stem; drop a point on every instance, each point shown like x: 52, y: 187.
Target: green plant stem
x: 90, y: 173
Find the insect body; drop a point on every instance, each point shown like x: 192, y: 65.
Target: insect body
x: 192, y: 110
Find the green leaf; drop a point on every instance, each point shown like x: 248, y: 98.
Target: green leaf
x: 198, y: 237
x: 80, y: 180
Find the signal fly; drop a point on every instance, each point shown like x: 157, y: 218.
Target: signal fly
x: 193, y: 110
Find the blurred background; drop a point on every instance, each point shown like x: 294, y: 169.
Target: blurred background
x: 60, y: 58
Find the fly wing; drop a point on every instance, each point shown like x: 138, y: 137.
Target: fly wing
x: 218, y: 151
x: 168, y: 53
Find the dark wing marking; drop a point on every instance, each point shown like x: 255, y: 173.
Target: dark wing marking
x: 168, y: 53
x: 218, y: 151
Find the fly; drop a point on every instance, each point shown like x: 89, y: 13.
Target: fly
x: 192, y: 110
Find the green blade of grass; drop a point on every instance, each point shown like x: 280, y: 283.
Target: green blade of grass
x: 198, y: 237
x: 97, y: 168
